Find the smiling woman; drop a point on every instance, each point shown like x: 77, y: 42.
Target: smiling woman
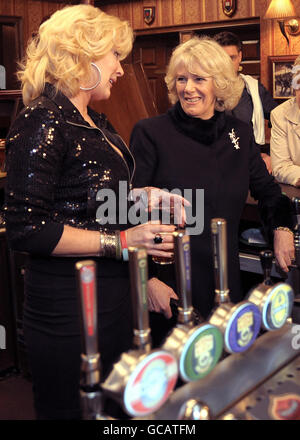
x: 201, y: 58
x: 196, y: 93
x: 196, y: 144
x: 60, y: 153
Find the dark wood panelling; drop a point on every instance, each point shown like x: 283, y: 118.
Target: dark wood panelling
x: 131, y: 100
x: 154, y: 53
x: 176, y: 15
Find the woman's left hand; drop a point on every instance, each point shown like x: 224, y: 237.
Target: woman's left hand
x: 284, y: 249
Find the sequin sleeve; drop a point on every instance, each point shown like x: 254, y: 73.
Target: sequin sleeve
x: 35, y: 151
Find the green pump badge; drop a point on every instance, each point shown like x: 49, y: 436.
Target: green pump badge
x: 201, y: 353
x: 279, y: 307
x: 197, y: 348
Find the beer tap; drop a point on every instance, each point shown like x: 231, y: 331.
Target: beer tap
x: 90, y: 391
x: 197, y: 348
x: 296, y: 205
x: 239, y: 323
x: 295, y: 269
x: 143, y: 379
x: 275, y: 301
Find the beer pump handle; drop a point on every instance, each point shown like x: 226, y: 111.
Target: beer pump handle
x: 219, y: 239
x: 90, y: 393
x: 296, y: 205
x: 297, y: 246
x: 183, y: 276
x: 266, y: 261
x: 138, y: 269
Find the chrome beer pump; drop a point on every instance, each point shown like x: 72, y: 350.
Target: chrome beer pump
x: 296, y: 204
x: 90, y: 391
x: 275, y: 301
x: 143, y: 379
x: 239, y: 323
x: 295, y: 272
x: 197, y: 348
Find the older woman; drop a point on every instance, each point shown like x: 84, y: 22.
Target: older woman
x: 62, y: 158
x: 285, y: 135
x: 195, y: 145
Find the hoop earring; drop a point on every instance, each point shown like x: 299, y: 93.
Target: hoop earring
x: 98, y: 81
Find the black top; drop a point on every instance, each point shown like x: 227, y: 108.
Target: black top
x: 244, y: 108
x: 56, y: 164
x: 218, y: 156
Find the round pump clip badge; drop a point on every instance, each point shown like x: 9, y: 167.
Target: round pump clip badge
x: 201, y: 353
x: 278, y: 306
x: 243, y: 327
x: 151, y: 383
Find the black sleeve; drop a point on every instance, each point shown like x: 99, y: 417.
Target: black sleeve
x: 275, y: 208
x: 144, y: 151
x: 35, y: 150
x: 267, y: 101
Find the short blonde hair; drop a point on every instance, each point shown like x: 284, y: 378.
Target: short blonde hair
x: 207, y: 54
x: 65, y: 45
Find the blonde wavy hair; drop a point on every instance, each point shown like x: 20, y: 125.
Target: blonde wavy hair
x: 207, y: 54
x: 65, y: 45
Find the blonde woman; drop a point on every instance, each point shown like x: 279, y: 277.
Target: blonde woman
x: 285, y: 135
x: 60, y: 156
x: 195, y: 145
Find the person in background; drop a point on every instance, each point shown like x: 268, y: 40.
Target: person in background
x: 285, y: 135
x: 198, y: 145
x: 256, y: 103
x: 60, y: 156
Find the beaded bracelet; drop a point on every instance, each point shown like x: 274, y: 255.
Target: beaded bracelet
x: 102, y: 244
x: 118, y: 246
x: 284, y: 228
x: 124, y: 245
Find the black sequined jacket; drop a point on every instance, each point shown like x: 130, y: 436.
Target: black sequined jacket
x: 56, y: 165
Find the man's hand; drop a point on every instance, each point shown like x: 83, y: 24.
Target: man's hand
x: 159, y: 295
x: 267, y: 159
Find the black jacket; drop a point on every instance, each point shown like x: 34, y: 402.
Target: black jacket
x: 56, y: 164
x: 175, y: 151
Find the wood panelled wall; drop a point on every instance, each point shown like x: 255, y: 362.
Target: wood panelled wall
x: 169, y: 14
x: 32, y: 11
x: 177, y: 12
x: 272, y: 42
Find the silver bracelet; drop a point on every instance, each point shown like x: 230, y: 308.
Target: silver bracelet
x: 110, y: 245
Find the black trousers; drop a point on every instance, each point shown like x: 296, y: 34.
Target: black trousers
x: 53, y: 339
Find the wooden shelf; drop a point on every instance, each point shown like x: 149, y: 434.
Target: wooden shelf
x: 10, y: 94
x: 11, y: 104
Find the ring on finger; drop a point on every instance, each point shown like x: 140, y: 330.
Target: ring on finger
x: 157, y: 239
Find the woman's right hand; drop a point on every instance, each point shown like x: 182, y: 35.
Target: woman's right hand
x: 144, y: 235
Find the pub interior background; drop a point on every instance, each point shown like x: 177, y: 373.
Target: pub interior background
x: 145, y: 95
